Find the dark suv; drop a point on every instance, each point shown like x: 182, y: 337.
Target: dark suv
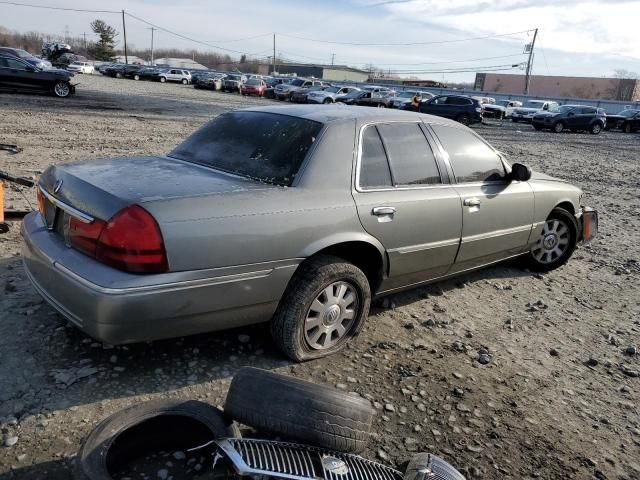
x: 461, y: 108
x: 572, y: 117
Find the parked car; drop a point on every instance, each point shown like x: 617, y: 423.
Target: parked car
x: 284, y: 91
x: 17, y: 75
x: 571, y: 117
x: 147, y: 73
x: 329, y: 94
x: 404, y: 98
x: 531, y: 108
x: 116, y: 70
x: 624, y: 120
x: 27, y: 57
x: 300, y: 95
x: 81, y: 67
x: 500, y: 109
x: 299, y: 240
x: 253, y: 86
x: 233, y: 82
x: 211, y: 81
x: 369, y: 98
x: 460, y: 108
x: 132, y: 71
x: 175, y: 75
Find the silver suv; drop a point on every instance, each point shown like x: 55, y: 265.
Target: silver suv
x: 284, y: 91
x: 175, y: 75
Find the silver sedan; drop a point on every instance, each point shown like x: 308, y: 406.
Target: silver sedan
x: 293, y: 215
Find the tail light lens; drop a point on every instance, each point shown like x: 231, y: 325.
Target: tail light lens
x: 40, y: 202
x: 130, y: 241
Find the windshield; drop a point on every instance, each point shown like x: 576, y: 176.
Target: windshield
x: 23, y: 53
x: 628, y: 113
x: 533, y: 104
x: 253, y: 82
x: 266, y: 147
x: 354, y: 93
x: 504, y: 103
x: 333, y: 89
x: 233, y: 77
x: 561, y: 109
x: 406, y: 94
x: 296, y: 82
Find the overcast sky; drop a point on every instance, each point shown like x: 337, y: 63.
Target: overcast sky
x: 591, y: 38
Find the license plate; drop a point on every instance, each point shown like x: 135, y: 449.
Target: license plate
x: 50, y: 214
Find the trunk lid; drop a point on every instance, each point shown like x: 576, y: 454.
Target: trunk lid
x: 101, y: 188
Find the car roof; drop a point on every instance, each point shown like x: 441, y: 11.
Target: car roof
x: 328, y: 114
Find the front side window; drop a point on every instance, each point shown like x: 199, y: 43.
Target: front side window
x: 439, y: 100
x: 472, y: 160
x: 410, y: 156
x: 266, y: 147
x: 12, y: 63
x: 374, y: 167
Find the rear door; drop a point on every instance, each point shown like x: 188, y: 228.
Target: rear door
x: 405, y: 201
x: 497, y: 214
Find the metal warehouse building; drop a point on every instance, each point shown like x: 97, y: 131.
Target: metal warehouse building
x: 556, y: 86
x: 336, y: 73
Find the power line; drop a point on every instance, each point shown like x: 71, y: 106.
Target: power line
x: 241, y: 39
x: 58, y: 8
x: 404, y: 44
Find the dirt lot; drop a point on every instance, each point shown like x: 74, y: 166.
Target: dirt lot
x: 539, y: 409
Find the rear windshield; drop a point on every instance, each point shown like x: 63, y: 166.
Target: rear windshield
x: 266, y: 147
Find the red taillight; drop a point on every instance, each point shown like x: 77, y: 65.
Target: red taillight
x: 84, y: 236
x: 131, y: 241
x: 40, y: 202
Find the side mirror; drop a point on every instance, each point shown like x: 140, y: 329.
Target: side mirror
x: 520, y: 172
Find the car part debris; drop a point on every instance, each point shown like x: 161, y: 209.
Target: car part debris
x: 299, y: 410
x: 10, y: 148
x: 425, y: 466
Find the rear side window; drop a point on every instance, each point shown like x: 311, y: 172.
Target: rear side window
x: 374, y: 168
x: 458, y: 101
x: 410, y: 156
x: 588, y: 110
x: 262, y: 146
x: 471, y: 159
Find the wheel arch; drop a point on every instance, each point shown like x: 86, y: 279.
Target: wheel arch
x: 566, y: 205
x: 364, y: 251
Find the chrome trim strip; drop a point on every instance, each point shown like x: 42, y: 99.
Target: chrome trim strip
x: 496, y: 233
x: 425, y: 246
x: 202, y: 282
x: 83, y: 217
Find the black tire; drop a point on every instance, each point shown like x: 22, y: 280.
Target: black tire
x: 151, y: 426
x: 61, y: 89
x: 185, y: 81
x: 627, y: 128
x: 299, y: 410
x: 425, y: 462
x: 595, y: 128
x: 136, y: 77
x: 291, y: 97
x: 558, y: 127
x: 163, y: 79
x: 463, y: 119
x: 327, y: 100
x: 307, y: 284
x: 570, y: 222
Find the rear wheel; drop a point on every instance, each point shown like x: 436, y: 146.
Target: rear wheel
x: 595, y: 129
x: 163, y: 79
x: 326, y: 100
x: 185, y: 81
x: 323, y: 308
x: 556, y: 242
x: 558, y: 127
x: 463, y: 119
x: 627, y: 128
x: 136, y: 77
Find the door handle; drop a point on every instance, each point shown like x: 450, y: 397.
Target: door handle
x: 471, y: 202
x: 380, y: 211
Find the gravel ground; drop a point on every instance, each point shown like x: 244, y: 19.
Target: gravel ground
x: 557, y: 399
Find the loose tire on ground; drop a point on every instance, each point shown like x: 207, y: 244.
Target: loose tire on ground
x: 290, y: 327
x: 537, y: 259
x: 299, y: 410
x: 144, y: 428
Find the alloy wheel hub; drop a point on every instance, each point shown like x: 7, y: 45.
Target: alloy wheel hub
x: 331, y: 315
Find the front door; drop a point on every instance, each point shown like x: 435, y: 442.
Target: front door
x: 17, y: 75
x: 497, y: 214
x: 404, y: 200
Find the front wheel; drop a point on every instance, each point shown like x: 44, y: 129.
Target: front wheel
x: 463, y: 119
x: 556, y: 242
x: 163, y: 79
x: 136, y: 77
x: 627, y: 128
x: 558, y: 127
x: 323, y: 308
x: 62, y: 89
x: 595, y: 129
x: 326, y: 100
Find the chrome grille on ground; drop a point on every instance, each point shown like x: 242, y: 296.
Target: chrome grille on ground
x: 289, y: 460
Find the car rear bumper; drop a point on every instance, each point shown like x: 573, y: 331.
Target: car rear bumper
x: 118, y: 307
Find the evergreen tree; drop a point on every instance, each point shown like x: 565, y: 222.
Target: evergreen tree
x: 103, y: 49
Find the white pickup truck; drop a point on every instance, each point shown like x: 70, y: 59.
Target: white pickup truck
x: 530, y: 108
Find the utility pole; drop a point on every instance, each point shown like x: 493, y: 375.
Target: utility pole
x: 274, y: 54
x: 333, y: 57
x: 527, y: 80
x: 124, y: 31
x: 152, y: 30
x: 84, y: 35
